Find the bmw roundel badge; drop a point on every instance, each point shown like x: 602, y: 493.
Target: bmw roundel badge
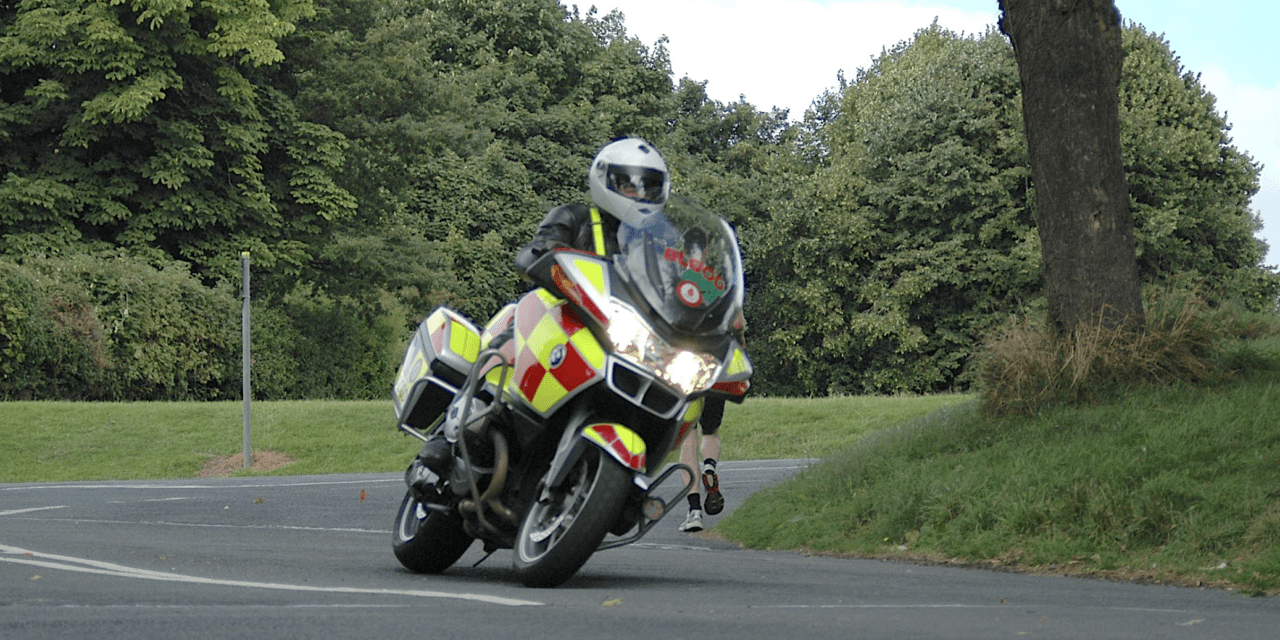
x: 557, y: 356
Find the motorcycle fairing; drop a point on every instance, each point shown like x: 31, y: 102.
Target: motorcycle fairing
x: 443, y: 348
x: 692, y: 413
x: 499, y: 323
x: 735, y: 377
x: 739, y: 367
x: 625, y: 445
x: 556, y: 355
x: 585, y: 280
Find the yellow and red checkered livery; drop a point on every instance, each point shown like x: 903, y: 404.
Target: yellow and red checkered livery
x: 556, y: 355
x: 622, y: 443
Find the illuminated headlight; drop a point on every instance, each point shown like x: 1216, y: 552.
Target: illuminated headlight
x: 633, y: 339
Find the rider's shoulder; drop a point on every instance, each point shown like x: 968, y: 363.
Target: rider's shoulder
x: 573, y: 209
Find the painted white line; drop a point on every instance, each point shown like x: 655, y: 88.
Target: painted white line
x: 204, y: 487
x: 84, y: 565
x: 162, y: 523
x: 150, y: 500
x: 224, y: 607
x: 17, y: 511
x: 668, y: 547
x: 881, y: 606
x: 932, y: 606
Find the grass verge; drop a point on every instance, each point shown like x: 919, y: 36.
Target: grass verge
x: 64, y: 441
x: 67, y: 441
x: 1171, y: 484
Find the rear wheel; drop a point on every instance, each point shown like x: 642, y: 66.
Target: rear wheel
x: 427, y: 541
x: 559, y: 534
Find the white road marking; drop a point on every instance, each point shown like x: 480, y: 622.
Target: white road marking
x: 84, y: 565
x: 150, y: 500
x: 31, y: 487
x: 162, y: 523
x: 932, y: 606
x: 882, y: 606
x: 667, y: 547
x: 224, y: 607
x: 17, y: 511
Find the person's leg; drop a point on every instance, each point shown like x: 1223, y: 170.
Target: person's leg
x: 689, y: 458
x: 709, y: 427
x: 710, y: 447
x: 714, y: 500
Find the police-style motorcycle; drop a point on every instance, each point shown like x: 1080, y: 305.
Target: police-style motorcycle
x: 563, y: 408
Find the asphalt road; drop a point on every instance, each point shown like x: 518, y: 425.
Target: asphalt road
x: 310, y: 557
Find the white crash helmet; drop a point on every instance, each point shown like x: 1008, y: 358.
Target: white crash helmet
x: 630, y: 180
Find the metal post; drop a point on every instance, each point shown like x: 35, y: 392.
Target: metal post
x: 244, y: 342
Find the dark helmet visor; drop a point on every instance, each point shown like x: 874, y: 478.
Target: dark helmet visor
x: 641, y: 184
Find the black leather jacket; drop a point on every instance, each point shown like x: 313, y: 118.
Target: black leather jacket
x: 567, y: 225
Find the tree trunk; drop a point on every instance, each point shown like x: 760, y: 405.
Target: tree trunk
x: 1069, y: 57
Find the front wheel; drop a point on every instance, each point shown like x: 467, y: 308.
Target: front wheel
x: 559, y: 535
x: 427, y: 541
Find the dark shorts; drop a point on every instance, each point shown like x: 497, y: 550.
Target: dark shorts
x: 712, y: 414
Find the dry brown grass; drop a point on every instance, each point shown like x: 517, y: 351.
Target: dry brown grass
x: 224, y: 466
x: 1026, y: 367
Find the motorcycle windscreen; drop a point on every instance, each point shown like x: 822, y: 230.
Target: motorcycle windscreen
x: 686, y: 264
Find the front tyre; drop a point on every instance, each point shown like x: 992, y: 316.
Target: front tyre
x: 559, y: 534
x: 427, y: 541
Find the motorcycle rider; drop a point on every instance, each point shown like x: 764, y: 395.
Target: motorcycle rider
x: 629, y: 181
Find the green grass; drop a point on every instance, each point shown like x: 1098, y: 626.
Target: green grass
x: 61, y: 441
x: 783, y: 428
x: 1172, y: 484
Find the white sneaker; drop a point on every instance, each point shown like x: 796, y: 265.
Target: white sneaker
x: 693, y: 522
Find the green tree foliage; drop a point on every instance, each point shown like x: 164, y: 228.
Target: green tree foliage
x: 109, y: 326
x: 471, y: 119
x: 307, y: 344
x: 913, y: 231
x: 381, y: 158
x: 1189, y: 187
x: 152, y: 125
x: 729, y: 156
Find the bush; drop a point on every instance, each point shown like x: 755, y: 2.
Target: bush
x: 18, y: 303
x: 111, y: 327
x: 1025, y: 367
x: 313, y: 346
x: 51, y: 342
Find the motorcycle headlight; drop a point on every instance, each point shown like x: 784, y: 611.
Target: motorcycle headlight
x: 635, y: 340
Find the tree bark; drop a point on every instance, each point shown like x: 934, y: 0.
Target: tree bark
x: 1069, y: 55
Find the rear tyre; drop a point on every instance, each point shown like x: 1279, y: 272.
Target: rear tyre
x: 558, y: 535
x: 427, y: 541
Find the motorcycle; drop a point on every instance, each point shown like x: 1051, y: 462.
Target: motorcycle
x: 561, y: 411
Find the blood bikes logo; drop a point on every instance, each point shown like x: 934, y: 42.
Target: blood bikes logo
x: 699, y: 284
x: 689, y: 293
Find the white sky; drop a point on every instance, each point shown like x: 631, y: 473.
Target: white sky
x: 786, y: 53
